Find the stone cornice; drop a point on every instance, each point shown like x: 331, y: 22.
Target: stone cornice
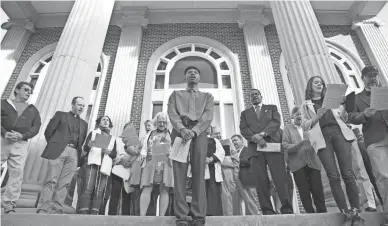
x: 133, y: 16
x: 249, y: 14
x: 23, y: 23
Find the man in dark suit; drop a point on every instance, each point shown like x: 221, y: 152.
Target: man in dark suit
x: 260, y: 125
x: 245, y: 184
x: 304, y: 164
x: 375, y: 128
x: 65, y: 135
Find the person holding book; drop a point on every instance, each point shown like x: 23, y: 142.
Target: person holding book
x: 156, y: 172
x: 330, y: 137
x: 375, y: 129
x: 191, y: 113
x: 99, y: 165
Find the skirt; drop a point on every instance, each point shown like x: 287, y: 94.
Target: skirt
x: 149, y: 175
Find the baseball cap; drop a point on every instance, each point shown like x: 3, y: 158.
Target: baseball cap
x: 369, y: 70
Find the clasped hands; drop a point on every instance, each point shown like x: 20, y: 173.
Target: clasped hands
x: 187, y: 134
x: 104, y: 150
x: 259, y: 139
x: 13, y: 135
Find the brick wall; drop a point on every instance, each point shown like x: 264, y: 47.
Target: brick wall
x: 157, y: 34
x: 46, y: 36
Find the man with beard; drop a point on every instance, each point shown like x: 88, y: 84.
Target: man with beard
x: 375, y: 128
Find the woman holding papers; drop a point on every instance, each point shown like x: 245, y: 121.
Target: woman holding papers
x: 330, y: 137
x: 157, y: 166
x: 100, y: 148
x: 213, y: 175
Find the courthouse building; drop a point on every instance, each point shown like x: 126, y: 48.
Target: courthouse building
x: 126, y: 57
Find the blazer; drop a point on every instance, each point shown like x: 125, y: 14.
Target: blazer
x: 315, y: 133
x: 245, y: 173
x: 299, y: 153
x: 57, y: 135
x: 268, y: 122
x: 374, y: 128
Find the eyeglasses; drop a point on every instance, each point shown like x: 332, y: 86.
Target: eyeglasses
x: 28, y: 90
x: 162, y: 122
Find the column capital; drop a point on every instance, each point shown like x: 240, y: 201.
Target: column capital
x: 134, y: 16
x: 23, y: 23
x: 251, y: 14
x: 374, y: 21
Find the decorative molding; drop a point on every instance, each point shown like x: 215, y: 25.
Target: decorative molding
x: 133, y: 16
x: 374, y: 21
x: 251, y: 14
x: 24, y: 23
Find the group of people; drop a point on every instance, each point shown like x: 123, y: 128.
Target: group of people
x: 218, y: 171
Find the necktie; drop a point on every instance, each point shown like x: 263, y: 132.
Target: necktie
x: 258, y: 111
x: 192, y: 114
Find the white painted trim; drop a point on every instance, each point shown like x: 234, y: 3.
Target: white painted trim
x: 218, y: 47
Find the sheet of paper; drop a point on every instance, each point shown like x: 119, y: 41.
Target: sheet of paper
x: 379, y: 98
x: 271, y: 147
x: 334, y: 95
x: 102, y: 141
x: 130, y: 137
x: 179, y: 151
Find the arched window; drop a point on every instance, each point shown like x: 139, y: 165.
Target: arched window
x: 37, y: 75
x: 216, y: 78
x: 347, y: 65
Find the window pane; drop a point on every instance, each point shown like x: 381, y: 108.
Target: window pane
x: 226, y: 84
x: 171, y: 55
x: 88, y: 112
x: 340, y: 74
x: 33, y: 81
x: 162, y: 66
x: 159, y: 82
x: 224, y: 66
x: 215, y: 55
x: 99, y: 68
x: 49, y: 59
x: 208, y: 73
x: 95, y: 83
x: 230, y: 129
x: 200, y: 49
x: 185, y: 49
x: 216, y: 116
x: 39, y: 68
x: 157, y: 107
x: 335, y: 55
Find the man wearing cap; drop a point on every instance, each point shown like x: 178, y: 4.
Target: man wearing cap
x: 375, y: 128
x: 191, y: 113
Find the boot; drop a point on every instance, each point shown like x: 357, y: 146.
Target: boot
x: 348, y: 218
x: 357, y: 219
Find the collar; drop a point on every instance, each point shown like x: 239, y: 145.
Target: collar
x: 260, y: 105
x: 239, y: 150
x: 73, y: 115
x: 195, y: 89
x: 367, y: 93
x: 296, y: 126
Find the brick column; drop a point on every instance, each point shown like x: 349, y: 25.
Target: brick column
x: 122, y: 85
x: 374, y: 43
x: 303, y: 44
x: 12, y: 46
x: 73, y: 67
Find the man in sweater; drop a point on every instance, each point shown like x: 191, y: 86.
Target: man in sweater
x: 20, y: 121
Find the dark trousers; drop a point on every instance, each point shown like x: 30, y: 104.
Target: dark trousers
x: 197, y: 208
x: 117, y: 192
x: 275, y: 162
x: 309, y: 183
x: 336, y: 143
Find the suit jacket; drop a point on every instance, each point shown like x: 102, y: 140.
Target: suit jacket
x: 268, y: 122
x: 299, y: 153
x: 315, y: 133
x: 57, y: 135
x: 373, y: 128
x: 245, y: 174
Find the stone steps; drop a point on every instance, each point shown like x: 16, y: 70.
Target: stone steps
x: 326, y: 219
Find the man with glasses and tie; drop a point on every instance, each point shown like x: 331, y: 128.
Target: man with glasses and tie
x: 191, y: 113
x: 260, y: 125
x: 20, y: 121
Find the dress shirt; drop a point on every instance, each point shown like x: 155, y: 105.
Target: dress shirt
x: 74, y: 129
x: 191, y: 105
x: 300, y: 131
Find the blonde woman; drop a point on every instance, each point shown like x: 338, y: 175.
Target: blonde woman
x: 160, y: 173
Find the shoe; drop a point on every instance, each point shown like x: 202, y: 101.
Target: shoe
x: 41, y: 212
x: 357, y: 219
x: 198, y: 222
x: 94, y: 212
x: 370, y: 209
x: 10, y: 211
x: 348, y: 218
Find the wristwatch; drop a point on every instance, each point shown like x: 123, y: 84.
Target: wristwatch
x: 263, y: 134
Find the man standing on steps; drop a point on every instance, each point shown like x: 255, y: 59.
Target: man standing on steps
x: 20, y: 121
x: 260, y: 126
x: 191, y: 113
x: 65, y: 135
x: 375, y: 129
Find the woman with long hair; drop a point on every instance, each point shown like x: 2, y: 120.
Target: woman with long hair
x: 331, y: 138
x: 96, y: 178
x: 156, y: 172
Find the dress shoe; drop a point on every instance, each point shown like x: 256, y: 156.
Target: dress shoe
x: 357, y: 219
x: 348, y: 218
x: 370, y: 209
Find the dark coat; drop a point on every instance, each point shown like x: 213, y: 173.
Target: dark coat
x: 245, y: 173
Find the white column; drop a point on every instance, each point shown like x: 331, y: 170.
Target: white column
x: 12, y: 46
x: 122, y: 85
x: 374, y: 43
x: 303, y: 44
x: 253, y: 21
x: 72, y: 69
